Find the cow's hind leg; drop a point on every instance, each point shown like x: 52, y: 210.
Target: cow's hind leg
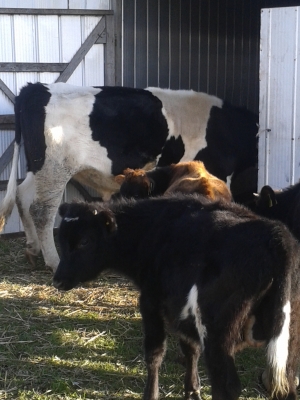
x: 44, y: 208
x: 24, y: 199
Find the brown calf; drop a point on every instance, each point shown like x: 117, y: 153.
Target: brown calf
x: 185, y: 177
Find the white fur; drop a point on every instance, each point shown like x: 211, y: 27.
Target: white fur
x: 277, y: 350
x: 192, y: 309
x: 187, y: 113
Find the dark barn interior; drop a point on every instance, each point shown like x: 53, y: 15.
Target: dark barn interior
x: 205, y: 45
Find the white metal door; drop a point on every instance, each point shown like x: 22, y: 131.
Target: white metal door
x: 279, y: 111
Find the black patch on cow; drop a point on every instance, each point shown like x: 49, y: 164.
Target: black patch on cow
x: 231, y: 143
x: 172, y: 152
x: 30, y: 120
x: 129, y: 123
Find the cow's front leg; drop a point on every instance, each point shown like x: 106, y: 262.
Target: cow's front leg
x: 191, y: 351
x: 43, y: 211
x: 24, y: 199
x: 154, y: 345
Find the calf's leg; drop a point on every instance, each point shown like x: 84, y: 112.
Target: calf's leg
x: 225, y: 383
x: 191, y: 351
x: 154, y: 345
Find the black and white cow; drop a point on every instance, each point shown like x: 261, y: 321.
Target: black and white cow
x: 94, y: 133
x: 218, y: 275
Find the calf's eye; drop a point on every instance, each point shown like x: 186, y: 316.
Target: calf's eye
x: 83, y: 242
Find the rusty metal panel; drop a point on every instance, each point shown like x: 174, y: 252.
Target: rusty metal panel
x: 279, y: 136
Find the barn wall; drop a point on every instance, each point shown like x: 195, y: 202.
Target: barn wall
x: 204, y: 45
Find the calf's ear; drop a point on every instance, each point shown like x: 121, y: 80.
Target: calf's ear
x: 267, y: 197
x: 63, y: 208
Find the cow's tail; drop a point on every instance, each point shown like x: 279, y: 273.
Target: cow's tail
x: 278, y: 346
x: 8, y: 202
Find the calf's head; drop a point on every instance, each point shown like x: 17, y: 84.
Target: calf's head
x: 83, y: 235
x: 265, y: 203
x: 135, y: 183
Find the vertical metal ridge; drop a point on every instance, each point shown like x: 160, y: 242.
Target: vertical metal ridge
x: 293, y: 144
x: 147, y: 55
x: 134, y: 48
x: 170, y: 44
x: 199, y: 46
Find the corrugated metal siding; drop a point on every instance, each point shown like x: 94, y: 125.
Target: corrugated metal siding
x: 208, y: 46
x: 279, y: 140
x: 47, y: 38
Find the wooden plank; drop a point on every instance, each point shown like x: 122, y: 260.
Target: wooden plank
x: 82, y: 51
x: 3, y: 184
x: 6, y: 157
x: 117, y: 7
x: 7, y: 91
x: 109, y: 71
x: 41, y: 11
x: 32, y: 67
x: 7, y: 122
x: 7, y: 119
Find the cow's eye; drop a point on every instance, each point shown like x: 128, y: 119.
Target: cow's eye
x: 83, y: 242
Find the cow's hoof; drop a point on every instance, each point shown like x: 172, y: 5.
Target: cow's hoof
x: 195, y: 395
x: 31, y: 258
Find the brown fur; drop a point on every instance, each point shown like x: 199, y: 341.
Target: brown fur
x: 186, y: 177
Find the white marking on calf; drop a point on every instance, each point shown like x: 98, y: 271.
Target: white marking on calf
x: 192, y: 309
x: 71, y: 219
x: 187, y: 114
x: 277, y: 352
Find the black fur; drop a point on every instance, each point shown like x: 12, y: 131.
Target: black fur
x: 240, y: 263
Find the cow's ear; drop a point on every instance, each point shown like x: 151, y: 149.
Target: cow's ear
x: 108, y: 220
x: 120, y: 179
x: 63, y: 208
x: 267, y: 197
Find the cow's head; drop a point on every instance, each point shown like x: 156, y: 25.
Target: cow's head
x: 264, y: 203
x: 135, y: 183
x: 84, y: 232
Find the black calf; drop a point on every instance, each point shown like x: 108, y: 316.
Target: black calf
x: 220, y: 276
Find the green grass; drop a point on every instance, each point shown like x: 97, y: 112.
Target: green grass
x: 86, y: 343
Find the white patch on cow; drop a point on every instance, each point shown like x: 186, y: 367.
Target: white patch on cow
x: 187, y: 113
x: 71, y: 219
x: 57, y: 134
x: 192, y: 309
x: 67, y: 130
x: 277, y: 351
